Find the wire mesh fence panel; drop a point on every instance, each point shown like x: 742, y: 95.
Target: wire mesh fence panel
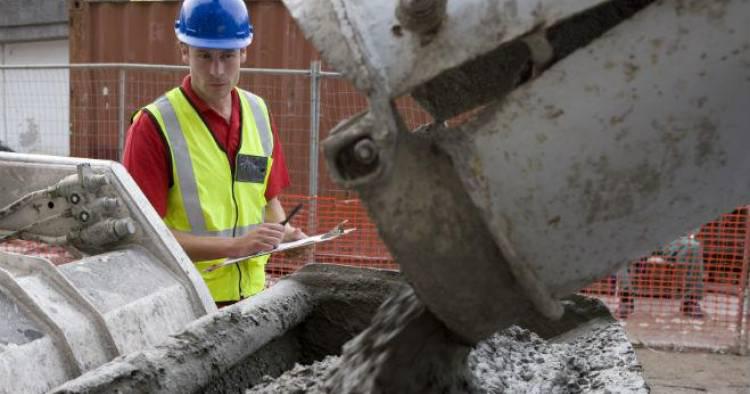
x: 333, y: 204
x: 690, y: 293
x: 694, y: 297
x: 362, y: 247
x: 103, y: 102
x: 34, y: 108
x: 288, y: 99
x: 338, y: 101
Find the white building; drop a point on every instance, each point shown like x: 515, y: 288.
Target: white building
x: 34, y: 103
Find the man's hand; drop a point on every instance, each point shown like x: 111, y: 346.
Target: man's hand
x: 265, y: 237
x: 295, y: 234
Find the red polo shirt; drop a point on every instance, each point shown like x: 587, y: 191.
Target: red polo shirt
x: 148, y: 161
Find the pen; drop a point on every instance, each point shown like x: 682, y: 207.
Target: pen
x: 291, y: 214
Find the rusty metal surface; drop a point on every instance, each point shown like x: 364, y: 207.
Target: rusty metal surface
x: 142, y: 32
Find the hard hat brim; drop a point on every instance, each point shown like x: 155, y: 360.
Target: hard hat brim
x: 223, y: 43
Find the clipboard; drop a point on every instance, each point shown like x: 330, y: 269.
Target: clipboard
x: 334, y: 233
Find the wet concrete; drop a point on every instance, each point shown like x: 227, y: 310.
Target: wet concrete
x: 289, y: 339
x: 597, y: 358
x: 406, y: 349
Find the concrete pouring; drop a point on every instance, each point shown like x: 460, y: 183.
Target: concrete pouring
x: 515, y: 361
x: 289, y: 338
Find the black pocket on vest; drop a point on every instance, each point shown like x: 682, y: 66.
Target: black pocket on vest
x: 251, y: 168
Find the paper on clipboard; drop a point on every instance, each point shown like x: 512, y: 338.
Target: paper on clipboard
x: 334, y: 233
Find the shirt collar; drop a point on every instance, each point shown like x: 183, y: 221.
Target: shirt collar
x: 201, y: 105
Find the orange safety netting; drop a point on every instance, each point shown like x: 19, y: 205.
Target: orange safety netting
x: 658, y: 287
x: 362, y: 248
x: 57, y: 255
x: 683, y: 301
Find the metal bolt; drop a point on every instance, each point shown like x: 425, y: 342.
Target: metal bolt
x: 111, y: 204
x: 421, y: 16
x: 84, y: 216
x: 93, y: 182
x: 124, y: 227
x: 365, y: 151
x: 107, y: 204
x: 75, y: 198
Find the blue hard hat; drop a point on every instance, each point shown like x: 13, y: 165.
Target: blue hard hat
x: 214, y: 24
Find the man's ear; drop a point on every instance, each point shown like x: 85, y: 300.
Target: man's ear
x: 185, y: 53
x: 243, y: 55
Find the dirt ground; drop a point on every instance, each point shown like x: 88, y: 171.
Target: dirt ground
x: 670, y: 372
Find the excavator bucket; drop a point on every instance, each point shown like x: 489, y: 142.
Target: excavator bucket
x: 118, y: 284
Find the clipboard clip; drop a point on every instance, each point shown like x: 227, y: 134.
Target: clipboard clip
x: 336, y: 231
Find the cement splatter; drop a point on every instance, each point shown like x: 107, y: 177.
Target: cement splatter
x: 517, y: 361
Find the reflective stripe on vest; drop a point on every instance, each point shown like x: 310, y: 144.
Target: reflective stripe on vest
x: 184, y: 165
x: 232, y: 207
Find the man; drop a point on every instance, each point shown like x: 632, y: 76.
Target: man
x: 207, y: 158
x: 685, y: 250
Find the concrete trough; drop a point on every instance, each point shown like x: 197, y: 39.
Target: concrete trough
x: 289, y: 338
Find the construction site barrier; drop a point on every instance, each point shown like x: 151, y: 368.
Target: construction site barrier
x: 84, y: 110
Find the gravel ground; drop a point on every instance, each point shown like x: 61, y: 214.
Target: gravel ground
x: 671, y: 372
x: 517, y: 361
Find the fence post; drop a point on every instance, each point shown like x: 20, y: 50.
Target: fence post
x: 314, y: 145
x: 4, y: 96
x: 743, y: 310
x: 121, y: 76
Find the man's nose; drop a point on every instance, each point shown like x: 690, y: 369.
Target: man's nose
x: 217, y: 67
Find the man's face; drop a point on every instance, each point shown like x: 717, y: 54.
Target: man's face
x: 213, y: 72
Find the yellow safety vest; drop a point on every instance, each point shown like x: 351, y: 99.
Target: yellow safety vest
x: 208, y: 197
